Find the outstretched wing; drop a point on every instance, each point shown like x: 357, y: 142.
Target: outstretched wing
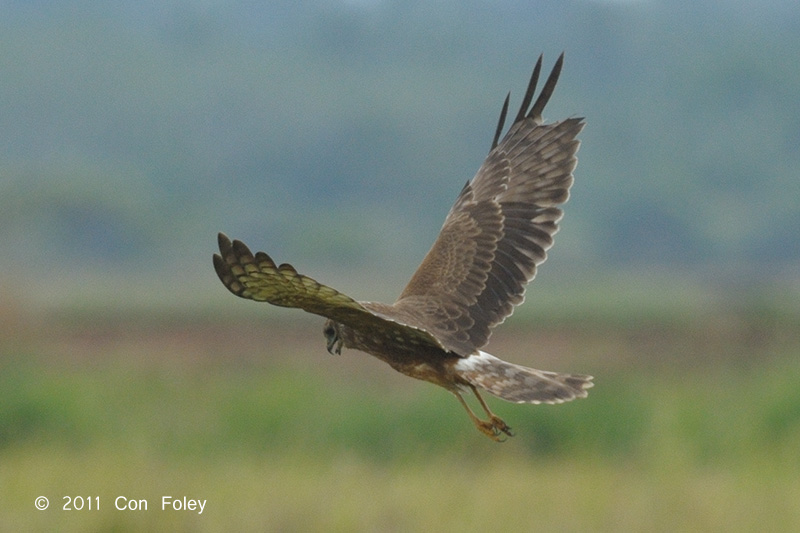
x: 499, y: 229
x: 257, y: 277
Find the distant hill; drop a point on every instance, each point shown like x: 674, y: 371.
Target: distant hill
x: 336, y: 135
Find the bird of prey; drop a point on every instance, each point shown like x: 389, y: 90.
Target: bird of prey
x: 493, y: 239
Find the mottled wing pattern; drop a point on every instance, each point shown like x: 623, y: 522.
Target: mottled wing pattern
x: 257, y: 277
x: 499, y: 229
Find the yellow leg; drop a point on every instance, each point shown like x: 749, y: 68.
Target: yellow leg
x: 493, y: 427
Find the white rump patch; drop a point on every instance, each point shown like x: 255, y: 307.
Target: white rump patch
x: 476, y: 361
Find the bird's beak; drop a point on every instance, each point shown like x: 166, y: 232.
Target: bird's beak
x: 335, y: 346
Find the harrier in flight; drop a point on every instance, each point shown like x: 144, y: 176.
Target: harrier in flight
x: 494, y: 237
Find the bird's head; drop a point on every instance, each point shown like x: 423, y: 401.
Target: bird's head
x: 333, y: 337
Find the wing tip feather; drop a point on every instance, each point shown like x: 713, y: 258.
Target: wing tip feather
x: 526, y: 111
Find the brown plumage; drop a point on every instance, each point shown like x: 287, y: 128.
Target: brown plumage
x: 496, y: 234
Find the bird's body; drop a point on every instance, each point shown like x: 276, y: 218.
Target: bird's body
x: 493, y: 239
x: 408, y: 356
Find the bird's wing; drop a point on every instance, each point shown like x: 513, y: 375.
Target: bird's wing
x: 499, y: 229
x: 257, y: 277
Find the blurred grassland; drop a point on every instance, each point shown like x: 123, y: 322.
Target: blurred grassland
x: 690, y: 428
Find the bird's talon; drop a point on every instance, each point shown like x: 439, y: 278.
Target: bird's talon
x: 500, y: 426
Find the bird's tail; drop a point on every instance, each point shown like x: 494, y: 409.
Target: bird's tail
x: 519, y: 384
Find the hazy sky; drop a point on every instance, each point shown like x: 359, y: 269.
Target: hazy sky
x: 338, y: 133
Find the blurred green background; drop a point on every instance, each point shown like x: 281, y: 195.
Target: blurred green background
x: 335, y: 135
